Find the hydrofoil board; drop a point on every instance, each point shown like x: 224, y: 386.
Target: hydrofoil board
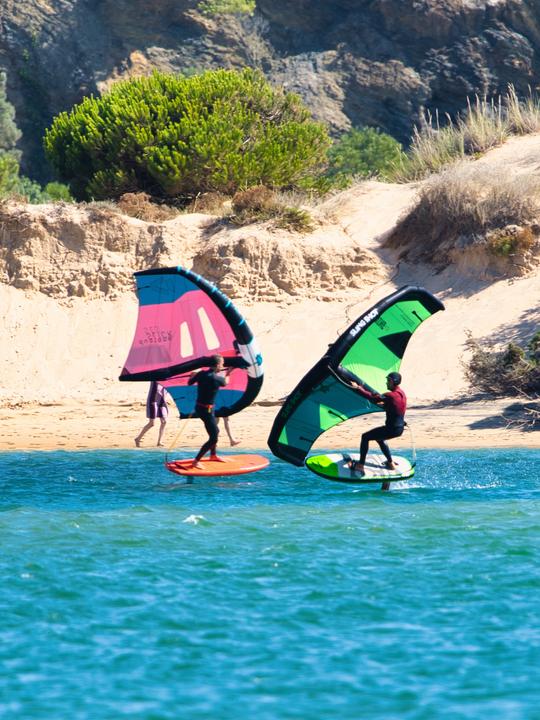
x: 231, y: 465
x: 335, y: 466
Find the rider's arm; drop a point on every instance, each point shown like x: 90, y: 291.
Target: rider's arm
x: 361, y: 390
x: 228, y: 371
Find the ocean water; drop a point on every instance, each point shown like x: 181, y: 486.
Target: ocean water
x: 271, y: 596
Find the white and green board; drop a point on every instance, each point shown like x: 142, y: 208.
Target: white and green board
x: 334, y: 466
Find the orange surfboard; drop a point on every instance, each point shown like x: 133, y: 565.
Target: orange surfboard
x: 234, y: 465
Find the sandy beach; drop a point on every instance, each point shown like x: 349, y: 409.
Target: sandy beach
x: 106, y: 425
x: 71, y: 397
x: 69, y: 313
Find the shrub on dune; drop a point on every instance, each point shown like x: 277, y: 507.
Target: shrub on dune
x: 512, y: 370
x: 178, y: 137
x: 466, y: 202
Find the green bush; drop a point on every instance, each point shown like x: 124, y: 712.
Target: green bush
x: 226, y: 7
x: 9, y: 174
x: 173, y: 136
x: 55, y: 191
x: 533, y: 348
x: 295, y: 219
x: 364, y: 152
x: 509, y: 242
x: 9, y: 132
x: 30, y: 191
x: 13, y: 185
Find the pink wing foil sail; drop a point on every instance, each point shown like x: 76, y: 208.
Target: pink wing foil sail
x: 183, y: 320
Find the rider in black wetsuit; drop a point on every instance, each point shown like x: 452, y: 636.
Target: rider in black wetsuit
x: 208, y: 383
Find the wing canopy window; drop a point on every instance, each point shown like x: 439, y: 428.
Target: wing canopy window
x: 186, y: 343
x: 212, y: 340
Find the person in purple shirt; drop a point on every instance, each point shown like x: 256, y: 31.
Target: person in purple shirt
x: 156, y: 407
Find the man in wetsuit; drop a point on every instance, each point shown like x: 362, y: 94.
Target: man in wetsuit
x: 395, y: 403
x: 208, y: 383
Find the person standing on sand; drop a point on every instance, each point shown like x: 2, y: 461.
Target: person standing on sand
x: 208, y: 383
x: 227, y: 424
x: 156, y: 407
x: 395, y: 404
x: 226, y: 420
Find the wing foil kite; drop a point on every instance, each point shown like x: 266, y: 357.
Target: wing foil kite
x: 368, y: 350
x: 183, y: 320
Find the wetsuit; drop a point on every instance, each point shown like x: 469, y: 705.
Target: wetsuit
x: 208, y: 383
x: 395, y: 405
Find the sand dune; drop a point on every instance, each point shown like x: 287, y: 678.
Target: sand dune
x: 62, y: 353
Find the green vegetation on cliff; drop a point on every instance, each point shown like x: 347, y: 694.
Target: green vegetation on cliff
x: 9, y: 132
x: 12, y: 184
x: 175, y: 137
x: 226, y: 7
x: 364, y: 152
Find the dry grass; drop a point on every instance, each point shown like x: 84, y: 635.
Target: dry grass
x: 259, y: 204
x: 432, y: 149
x: 507, y: 371
x: 210, y: 203
x: 256, y: 199
x: 140, y: 205
x: 486, y: 123
x: 523, y: 116
x: 465, y: 202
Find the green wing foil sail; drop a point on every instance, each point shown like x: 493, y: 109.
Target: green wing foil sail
x: 367, y: 351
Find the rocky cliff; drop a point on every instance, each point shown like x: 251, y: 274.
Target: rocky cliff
x: 355, y: 62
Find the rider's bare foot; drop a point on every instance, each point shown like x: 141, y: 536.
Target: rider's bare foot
x: 196, y: 464
x: 160, y: 445
x: 390, y: 464
x: 137, y: 442
x: 355, y: 466
x: 235, y: 442
x: 217, y: 458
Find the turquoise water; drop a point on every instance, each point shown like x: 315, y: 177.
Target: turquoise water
x: 277, y: 596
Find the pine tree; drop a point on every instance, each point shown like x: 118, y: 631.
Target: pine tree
x: 9, y: 132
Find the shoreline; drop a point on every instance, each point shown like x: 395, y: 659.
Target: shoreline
x: 95, y: 425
